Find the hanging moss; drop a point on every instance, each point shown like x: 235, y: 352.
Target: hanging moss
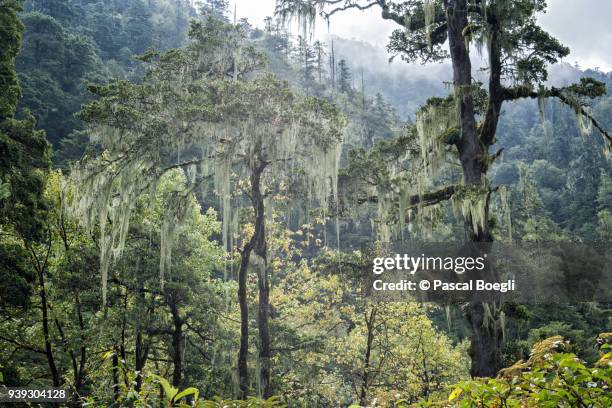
x: 174, y: 216
x: 471, y: 202
x: 436, y: 123
x: 506, y: 209
x: 429, y: 13
x: 584, y: 122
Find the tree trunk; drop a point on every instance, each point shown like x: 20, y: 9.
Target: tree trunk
x: 485, y: 348
x: 177, y: 343
x: 363, y: 395
x: 258, y: 244
x: 141, y: 347
x: 80, y: 378
x: 46, y: 332
x: 243, y: 378
x: 116, y: 375
x: 141, y: 354
x: 263, y: 283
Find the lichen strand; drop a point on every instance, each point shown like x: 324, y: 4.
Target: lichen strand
x: 433, y: 122
x: 385, y: 204
x: 174, y: 216
x: 494, y: 318
x: 506, y: 209
x: 584, y: 123
x: 305, y: 12
x: 105, y: 193
x: 429, y: 12
x: 471, y: 202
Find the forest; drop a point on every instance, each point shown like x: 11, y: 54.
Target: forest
x: 191, y: 205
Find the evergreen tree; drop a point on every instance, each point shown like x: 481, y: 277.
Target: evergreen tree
x: 320, y: 53
x: 24, y: 160
x: 139, y: 28
x: 345, y: 77
x: 306, y: 59
x: 215, y: 8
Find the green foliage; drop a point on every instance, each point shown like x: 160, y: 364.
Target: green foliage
x: 24, y: 160
x: 54, y: 65
x: 251, y: 402
x: 563, y: 380
x: 172, y: 395
x: 68, y: 44
x: 164, y: 120
x: 10, y: 37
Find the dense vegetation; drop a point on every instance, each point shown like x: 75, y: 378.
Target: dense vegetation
x: 188, y: 205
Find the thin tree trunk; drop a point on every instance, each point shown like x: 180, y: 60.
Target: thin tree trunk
x: 243, y: 374
x: 257, y: 243
x: 141, y: 347
x: 141, y: 355
x: 262, y: 280
x: 363, y: 395
x: 80, y: 378
x: 46, y: 332
x: 115, y: 363
x: 177, y: 344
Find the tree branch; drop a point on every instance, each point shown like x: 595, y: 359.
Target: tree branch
x: 425, y: 199
x: 350, y: 6
x: 519, y: 92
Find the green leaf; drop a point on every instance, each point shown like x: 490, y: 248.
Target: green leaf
x: 5, y: 190
x: 169, y: 390
x: 186, y: 392
x: 456, y: 392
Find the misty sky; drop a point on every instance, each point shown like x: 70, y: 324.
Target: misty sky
x: 583, y: 25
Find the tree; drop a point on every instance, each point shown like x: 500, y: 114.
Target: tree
x: 24, y: 160
x: 215, y: 8
x: 518, y: 53
x: 345, y: 77
x: 306, y: 60
x: 139, y: 28
x: 320, y: 53
x: 356, y: 350
x: 219, y: 122
x: 53, y: 66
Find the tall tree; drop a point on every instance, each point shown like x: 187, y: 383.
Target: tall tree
x: 219, y: 121
x: 345, y: 77
x: 306, y: 60
x: 24, y: 161
x: 518, y: 54
x: 24, y: 151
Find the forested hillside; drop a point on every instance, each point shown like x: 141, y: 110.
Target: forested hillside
x: 190, y: 205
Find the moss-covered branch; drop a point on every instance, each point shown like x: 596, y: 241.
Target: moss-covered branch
x: 570, y: 95
x: 426, y: 199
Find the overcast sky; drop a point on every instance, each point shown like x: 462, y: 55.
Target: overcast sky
x: 583, y: 25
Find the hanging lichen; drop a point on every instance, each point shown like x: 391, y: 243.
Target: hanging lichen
x: 506, y: 209
x: 585, y: 125
x: 429, y: 14
x: 447, y: 313
x: 174, y: 216
x: 433, y: 123
x: 385, y: 202
x: 471, y: 201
